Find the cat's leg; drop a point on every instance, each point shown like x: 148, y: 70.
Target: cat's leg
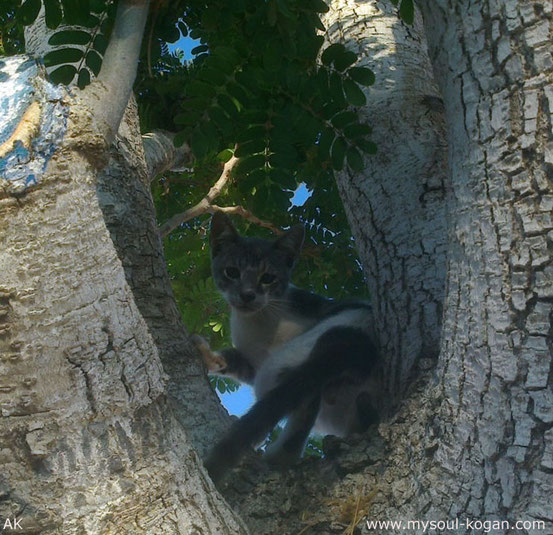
x: 290, y: 444
x: 367, y: 413
x: 229, y: 362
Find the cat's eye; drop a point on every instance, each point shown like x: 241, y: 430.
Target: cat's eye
x: 267, y: 278
x: 232, y: 273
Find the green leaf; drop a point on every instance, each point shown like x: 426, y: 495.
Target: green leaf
x: 367, y: 146
x: 293, y: 77
x: 354, y: 94
x: 221, y: 64
x: 253, y: 132
x: 338, y: 153
x: 283, y: 178
x: 84, y: 78
x: 213, y: 76
x: 75, y: 11
x: 52, y: 13
x: 342, y: 119
x: 250, y: 147
x: 63, y: 55
x: 272, y: 57
x: 227, y: 104
x: 322, y: 81
x: 100, y: 44
x: 190, y: 118
x: 182, y: 27
x: 253, y: 179
x: 29, y: 11
x: 220, y: 119
x: 63, y: 75
x: 169, y: 33
x: 199, y: 143
x: 97, y: 6
x: 94, y: 62
x: 70, y: 37
x: 199, y: 49
x: 330, y: 109
x: 344, y: 60
x: 311, y: 47
x: 355, y: 160
x: 336, y: 91
x: 228, y: 54
x: 272, y: 12
x: 284, y: 9
x: 316, y: 5
x: 325, y: 141
x: 196, y: 103
x: 196, y: 88
x: 225, y: 155
x: 255, y: 116
x: 284, y: 156
x: 361, y: 75
x: 211, y: 134
x: 357, y: 130
x: 236, y: 91
x: 407, y: 11
x: 332, y: 52
x: 249, y: 164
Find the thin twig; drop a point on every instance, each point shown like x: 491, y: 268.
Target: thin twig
x: 206, y: 206
x: 203, y: 206
x: 245, y: 214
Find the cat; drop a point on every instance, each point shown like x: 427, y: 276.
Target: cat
x: 309, y: 358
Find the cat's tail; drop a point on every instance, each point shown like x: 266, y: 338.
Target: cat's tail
x: 338, y: 350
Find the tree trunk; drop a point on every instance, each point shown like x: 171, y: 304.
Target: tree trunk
x: 90, y: 443
x: 396, y: 206
x: 473, y: 440
x: 126, y: 202
x: 493, y: 63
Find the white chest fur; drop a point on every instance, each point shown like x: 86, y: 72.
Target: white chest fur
x: 255, y: 335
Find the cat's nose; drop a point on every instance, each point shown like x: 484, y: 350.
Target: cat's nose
x: 247, y: 296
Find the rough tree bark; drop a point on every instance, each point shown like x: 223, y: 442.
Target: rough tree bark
x: 493, y: 62
x: 474, y: 438
x: 90, y: 442
x: 396, y: 206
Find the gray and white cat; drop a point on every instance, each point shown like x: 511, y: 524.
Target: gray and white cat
x: 309, y: 358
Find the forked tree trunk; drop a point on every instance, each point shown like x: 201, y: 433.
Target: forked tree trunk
x: 88, y: 443
x: 125, y: 199
x: 474, y: 442
x: 493, y: 63
x: 89, y: 440
x: 396, y: 206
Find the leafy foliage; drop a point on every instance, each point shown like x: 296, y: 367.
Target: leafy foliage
x: 261, y: 85
x: 406, y: 10
x: 11, y: 30
x: 82, y: 38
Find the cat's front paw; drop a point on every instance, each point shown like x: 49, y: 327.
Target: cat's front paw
x: 214, y: 361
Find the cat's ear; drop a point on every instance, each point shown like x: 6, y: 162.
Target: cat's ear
x: 291, y: 242
x: 222, y: 230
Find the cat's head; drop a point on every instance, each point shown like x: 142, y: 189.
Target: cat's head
x: 251, y: 272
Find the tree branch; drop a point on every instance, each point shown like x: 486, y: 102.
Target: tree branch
x: 109, y: 94
x: 203, y: 206
x: 206, y: 206
x: 245, y: 214
x: 162, y: 155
